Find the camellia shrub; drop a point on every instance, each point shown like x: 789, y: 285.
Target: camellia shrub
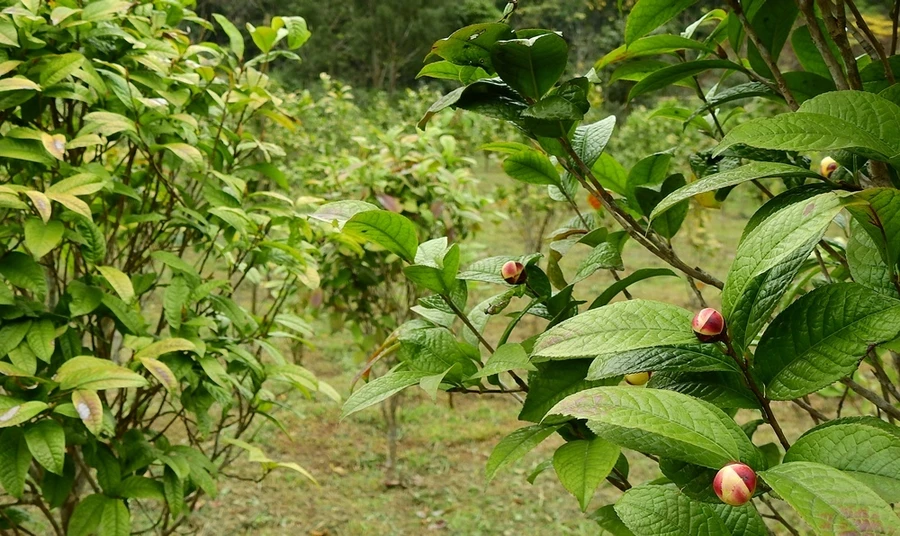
x: 810, y: 307
x: 133, y: 222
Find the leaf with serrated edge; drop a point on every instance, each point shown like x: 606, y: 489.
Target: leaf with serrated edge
x: 516, y: 445
x: 582, y: 465
x: 830, y: 501
x: 652, y: 510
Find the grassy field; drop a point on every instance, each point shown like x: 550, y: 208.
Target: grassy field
x: 443, y: 449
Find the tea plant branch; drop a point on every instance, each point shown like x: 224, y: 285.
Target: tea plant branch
x: 895, y: 26
x: 881, y: 374
x: 764, y: 54
x: 816, y: 415
x: 837, y: 72
x: 763, y: 401
x: 631, y: 226
x: 872, y: 397
x: 836, y: 23
x: 509, y: 328
x: 37, y: 501
x: 777, y: 516
x: 465, y: 320
x: 873, y: 40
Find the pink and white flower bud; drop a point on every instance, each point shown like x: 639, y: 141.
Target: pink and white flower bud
x: 708, y: 325
x: 513, y: 273
x: 734, y: 484
x: 827, y: 166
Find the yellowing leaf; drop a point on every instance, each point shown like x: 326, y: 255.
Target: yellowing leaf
x: 72, y: 203
x: 188, y: 153
x: 18, y: 83
x: 41, y: 204
x: 161, y: 372
x: 119, y: 282
x: 166, y: 346
x: 55, y: 145
x: 90, y: 409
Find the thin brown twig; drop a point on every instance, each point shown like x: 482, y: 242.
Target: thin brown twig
x: 873, y: 40
x: 812, y: 24
x: 764, y: 54
x: 872, y: 397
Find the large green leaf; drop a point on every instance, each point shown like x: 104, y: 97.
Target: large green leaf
x: 732, y: 177
x: 867, y: 265
x: 648, y: 197
x: 878, y: 212
x: 674, y: 73
x: 617, y: 327
x: 725, y: 390
x: 23, y: 272
x: 582, y: 465
x: 47, y: 442
x: 866, y: 111
x: 472, y: 45
x: 648, y: 15
x: 866, y: 448
x: 434, y: 350
x: 86, y: 372
x: 531, y: 66
x: 532, y: 167
x: 516, y: 445
x: 446, y: 70
x: 780, y: 237
x: 658, y: 422
x: 683, y: 358
x: 590, y: 140
x: 389, y: 230
x: 15, y: 459
x: 651, y: 46
x: 653, y: 510
x: 552, y: 382
x: 115, y: 519
x: 380, y: 389
x: 830, y: 501
x: 41, y: 238
x: 821, y: 337
x: 510, y: 356
x: 13, y: 411
x: 86, y: 516
x: 742, y: 520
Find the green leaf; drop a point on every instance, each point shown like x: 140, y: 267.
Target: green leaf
x: 721, y: 389
x: 90, y: 373
x: 187, y: 153
x: 531, y: 66
x: 119, y: 282
x: 15, y: 459
x: 742, y: 520
x: 516, y: 445
x: 820, y: 338
x: 867, y: 265
x: 590, y: 140
x: 734, y: 93
x: 772, y: 21
x: 86, y: 516
x: 582, y: 465
x: 472, y: 45
x: 115, y: 519
x: 677, y: 358
x: 431, y: 384
x: 47, y: 442
x: 166, y: 346
x: 617, y: 327
x: 531, y: 167
x: 648, y: 15
x: 808, y: 53
x: 664, y: 423
x: 732, y: 177
x: 93, y: 245
x: 653, y: 510
x: 609, y: 521
x: 878, y: 212
x: 175, y: 301
x: 387, y: 229
x: 235, y: 38
x: 611, y: 174
x: 434, y: 350
x: 781, y: 236
x: 445, y: 70
x: 866, y: 448
x: 510, y: 356
x: 639, y: 275
x: 381, y: 389
x: 669, y: 75
x: 41, y: 238
x: 41, y: 339
x: 298, y: 30
x: 604, y: 256
x: 11, y: 335
x: 141, y: 487
x: 552, y: 382
x: 23, y: 272
x: 84, y: 299
x: 651, y: 46
x: 55, y: 69
x: 648, y: 197
x: 830, y: 501
x: 868, y: 112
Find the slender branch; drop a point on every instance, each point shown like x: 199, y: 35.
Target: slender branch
x: 836, y: 22
x: 873, y: 40
x: 763, y: 401
x: 509, y: 328
x: 895, y: 23
x: 764, y: 54
x: 816, y: 415
x: 872, y: 397
x: 777, y: 516
x: 812, y: 24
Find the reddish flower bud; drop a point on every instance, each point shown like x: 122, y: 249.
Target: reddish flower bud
x: 827, y: 166
x: 594, y: 202
x: 513, y: 273
x: 638, y: 378
x: 709, y: 325
x: 735, y: 484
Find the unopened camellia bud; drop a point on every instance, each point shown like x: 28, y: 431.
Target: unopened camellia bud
x: 709, y: 325
x: 513, y: 272
x: 827, y: 166
x: 735, y: 484
x: 594, y: 202
x: 638, y: 378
